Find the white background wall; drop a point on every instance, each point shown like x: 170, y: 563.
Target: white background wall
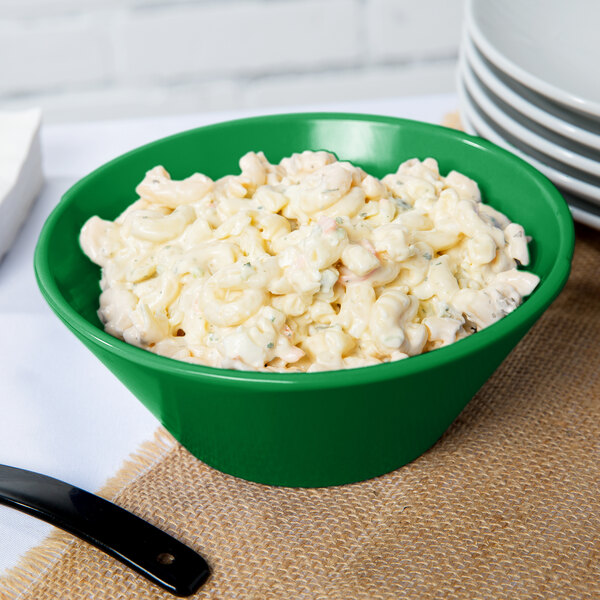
x: 95, y: 59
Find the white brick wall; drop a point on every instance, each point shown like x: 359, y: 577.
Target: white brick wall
x: 96, y: 59
x: 236, y: 38
x: 400, y: 29
x: 352, y: 84
x: 45, y: 54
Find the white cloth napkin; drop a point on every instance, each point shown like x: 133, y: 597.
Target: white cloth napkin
x: 20, y: 171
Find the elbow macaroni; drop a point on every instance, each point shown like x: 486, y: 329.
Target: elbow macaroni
x: 308, y: 265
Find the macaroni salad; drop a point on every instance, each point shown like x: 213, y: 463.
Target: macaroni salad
x: 306, y: 265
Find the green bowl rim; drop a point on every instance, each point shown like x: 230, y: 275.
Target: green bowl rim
x: 528, y: 312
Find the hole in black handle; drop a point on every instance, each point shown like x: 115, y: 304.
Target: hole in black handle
x: 165, y: 558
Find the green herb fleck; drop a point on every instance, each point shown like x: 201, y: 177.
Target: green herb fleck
x: 247, y: 264
x: 270, y: 345
x: 339, y: 220
x: 402, y: 203
x: 427, y: 256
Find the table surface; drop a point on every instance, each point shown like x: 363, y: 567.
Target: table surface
x: 64, y: 413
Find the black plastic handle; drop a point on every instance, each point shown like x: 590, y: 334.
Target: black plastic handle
x: 151, y: 552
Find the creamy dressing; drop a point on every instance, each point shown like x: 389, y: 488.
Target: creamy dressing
x: 307, y: 265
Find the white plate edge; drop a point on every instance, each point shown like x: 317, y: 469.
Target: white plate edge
x: 589, y: 193
x: 522, y: 105
x: 543, y: 145
x: 528, y: 79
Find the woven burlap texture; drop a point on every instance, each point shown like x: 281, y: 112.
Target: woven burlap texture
x: 505, y: 505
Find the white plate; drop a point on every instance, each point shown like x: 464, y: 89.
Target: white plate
x: 588, y: 214
x: 551, y: 46
x: 547, y: 142
x: 561, y: 179
x: 528, y: 103
x: 583, y: 212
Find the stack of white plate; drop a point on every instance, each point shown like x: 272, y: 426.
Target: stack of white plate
x: 529, y: 80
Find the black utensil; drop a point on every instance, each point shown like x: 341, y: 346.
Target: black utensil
x: 151, y: 552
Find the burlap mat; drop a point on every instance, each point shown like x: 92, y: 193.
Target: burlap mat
x: 505, y: 505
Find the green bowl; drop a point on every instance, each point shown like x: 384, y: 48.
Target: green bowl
x: 299, y: 429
